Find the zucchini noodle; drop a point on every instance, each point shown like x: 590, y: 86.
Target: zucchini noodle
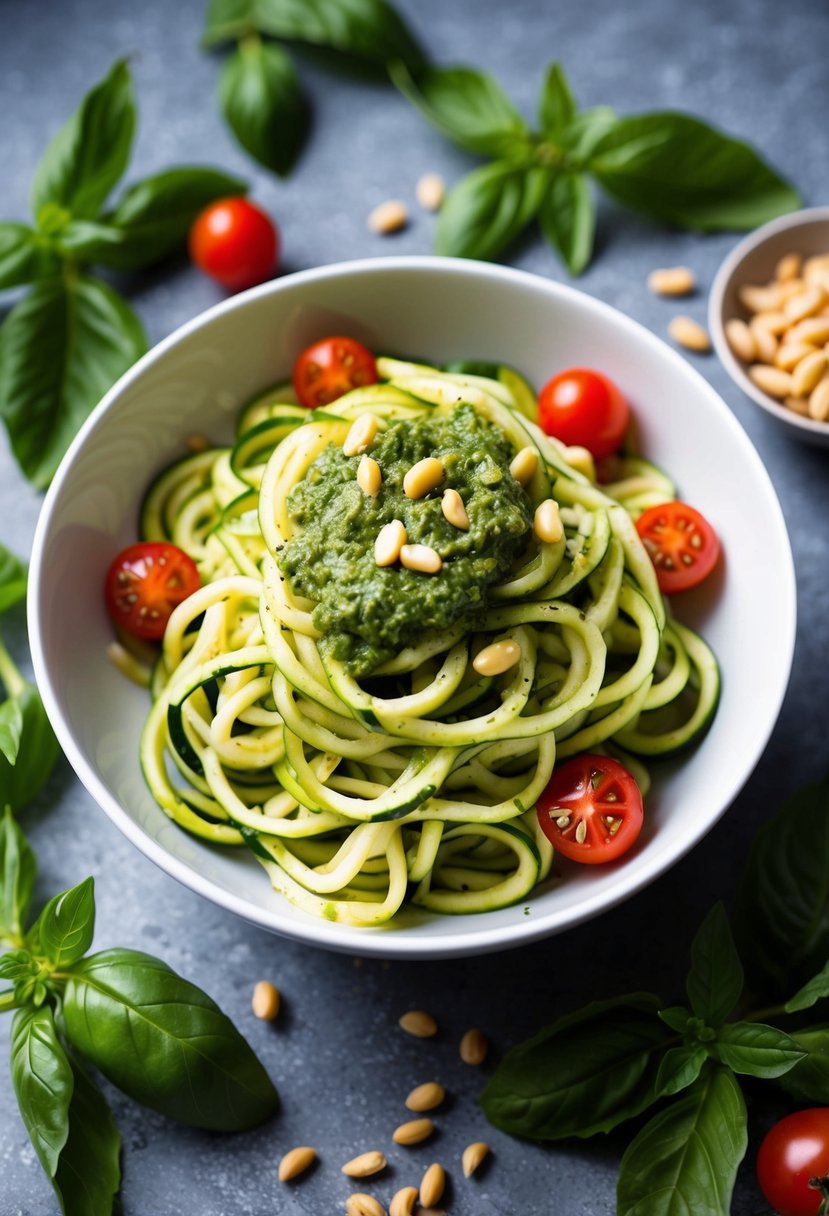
x: 415, y: 785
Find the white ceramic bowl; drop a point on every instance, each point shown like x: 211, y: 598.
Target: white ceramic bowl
x: 753, y: 262
x: 436, y: 309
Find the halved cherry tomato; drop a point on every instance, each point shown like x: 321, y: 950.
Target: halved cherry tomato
x: 795, y: 1151
x: 682, y: 545
x: 235, y: 243
x: 145, y: 583
x: 584, y: 408
x: 591, y: 810
x: 330, y: 368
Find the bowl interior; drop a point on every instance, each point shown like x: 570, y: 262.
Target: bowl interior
x: 434, y: 309
x: 753, y: 261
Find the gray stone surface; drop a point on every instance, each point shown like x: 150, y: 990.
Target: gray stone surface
x: 753, y: 67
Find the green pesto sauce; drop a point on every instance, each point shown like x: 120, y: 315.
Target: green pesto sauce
x: 367, y: 614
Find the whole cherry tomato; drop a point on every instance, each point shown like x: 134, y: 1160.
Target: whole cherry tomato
x: 591, y: 809
x: 682, y: 545
x: 145, y: 583
x: 235, y: 243
x: 330, y: 368
x: 795, y: 1152
x: 582, y: 407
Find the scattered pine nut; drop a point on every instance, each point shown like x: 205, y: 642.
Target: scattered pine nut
x: 413, y: 1132
x: 265, y: 1001
x: 812, y: 329
x: 765, y: 342
x: 369, y: 477
x: 819, y: 401
x: 454, y: 511
x: 473, y: 1047
x: 581, y: 460
x: 689, y: 333
x: 808, y: 372
x: 547, y: 523
x: 388, y: 217
x: 760, y: 299
x: 788, y: 268
x: 296, y: 1162
x: 390, y: 540
x: 804, y: 305
x: 494, y: 660
x: 403, y: 1201
x: 674, y: 281
x: 472, y: 1157
x: 771, y: 380
x: 426, y: 1097
x: 740, y: 339
x: 361, y: 435
x: 365, y: 1164
x: 524, y: 465
x: 363, y: 1205
x: 789, y: 354
x: 432, y: 1185
x: 423, y: 477
x: 775, y: 322
x: 421, y: 1025
x: 421, y: 558
x: 430, y: 191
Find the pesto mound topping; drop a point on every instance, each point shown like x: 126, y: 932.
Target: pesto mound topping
x: 367, y: 613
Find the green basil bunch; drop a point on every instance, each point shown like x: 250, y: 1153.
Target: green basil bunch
x: 260, y: 92
x: 612, y: 1060
x: 669, y: 166
x: 65, y: 343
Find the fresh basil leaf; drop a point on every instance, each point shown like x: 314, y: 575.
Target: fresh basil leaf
x: 488, y: 209
x: 583, y: 1074
x: 808, y: 1081
x: 568, y: 219
x: 228, y: 19
x: 66, y: 925
x: 164, y: 1042
x: 371, y: 29
x: 18, y: 868
x: 557, y: 107
x: 61, y: 348
x: 22, y: 256
x: 90, y: 153
x: 37, y: 751
x: 151, y: 220
x: 715, y: 981
x: 43, y: 1082
x: 88, y: 1174
x: 783, y: 907
x: 815, y: 990
x: 679, y: 1068
x: 757, y: 1050
x: 585, y: 131
x: 680, y: 170
x: 677, y: 1017
x: 13, y: 575
x: 262, y: 100
x: 11, y: 728
x: 469, y: 107
x: 685, y: 1159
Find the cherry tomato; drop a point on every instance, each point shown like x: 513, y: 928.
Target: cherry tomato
x: 582, y: 407
x: 145, y: 583
x: 330, y: 368
x: 591, y: 810
x: 682, y: 545
x: 795, y: 1151
x: 235, y: 243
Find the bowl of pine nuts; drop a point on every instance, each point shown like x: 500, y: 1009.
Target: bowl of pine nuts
x: 768, y: 315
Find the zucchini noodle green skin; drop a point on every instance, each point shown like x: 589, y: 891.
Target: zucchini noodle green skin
x: 418, y: 790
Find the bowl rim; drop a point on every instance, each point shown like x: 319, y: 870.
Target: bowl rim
x: 727, y: 272
x: 384, y: 943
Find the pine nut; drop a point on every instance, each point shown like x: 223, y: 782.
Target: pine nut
x: 369, y: 477
x: 765, y: 342
x: 432, y: 1185
x: 265, y: 1001
x: 472, y: 1157
x: 674, y: 281
x: 430, y: 191
x: 361, y: 435
x: 582, y: 461
x: 365, y: 1165
x: 547, y: 523
x: 789, y: 354
x: 814, y: 266
x: 390, y: 540
x: 819, y: 401
x: 807, y: 373
x: 388, y: 217
x: 423, y: 477
x: 426, y: 1096
x: 689, y: 333
x: 494, y: 660
x: 473, y: 1047
x: 798, y: 405
x: 775, y: 322
x: 363, y: 1205
x: 524, y: 465
x: 413, y: 1132
x: 813, y: 329
x: 799, y: 307
x: 771, y: 380
x: 296, y: 1162
x: 421, y: 1025
x: 740, y: 339
x: 788, y: 268
x: 403, y: 1202
x: 421, y: 558
x: 453, y: 510
x: 759, y: 299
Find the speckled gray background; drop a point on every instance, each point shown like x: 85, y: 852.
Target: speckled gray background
x: 758, y: 69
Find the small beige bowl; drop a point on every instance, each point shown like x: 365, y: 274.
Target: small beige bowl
x: 753, y: 261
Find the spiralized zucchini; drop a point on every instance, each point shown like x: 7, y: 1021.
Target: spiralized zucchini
x: 417, y: 786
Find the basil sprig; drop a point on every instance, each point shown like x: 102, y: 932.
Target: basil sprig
x: 670, y: 166
x: 612, y: 1060
x: 65, y: 343
x: 260, y: 91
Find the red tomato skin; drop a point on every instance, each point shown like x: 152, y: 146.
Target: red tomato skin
x: 795, y: 1150
x: 579, y: 789
x: 234, y: 242
x: 664, y: 538
x: 145, y: 583
x: 331, y: 367
x: 584, y: 408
